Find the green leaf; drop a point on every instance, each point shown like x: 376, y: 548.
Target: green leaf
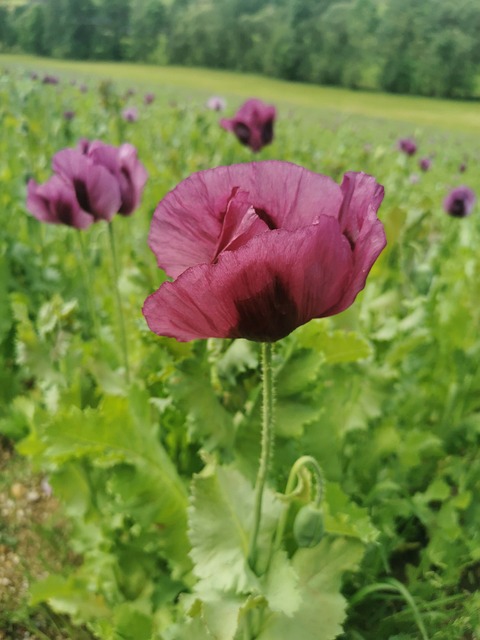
x: 322, y: 608
x: 220, y: 525
x: 117, y: 431
x: 335, y: 346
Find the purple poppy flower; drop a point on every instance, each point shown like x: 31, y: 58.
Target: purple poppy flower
x: 424, y: 164
x: 252, y: 124
x: 123, y: 163
x: 83, y: 88
x: 69, y: 114
x: 408, y: 146
x: 149, y: 98
x: 215, y: 103
x: 463, y: 167
x: 459, y: 202
x: 106, y: 179
x: 259, y: 249
x: 56, y: 202
x: 130, y: 114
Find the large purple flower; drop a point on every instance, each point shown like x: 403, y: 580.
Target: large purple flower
x: 252, y: 124
x: 459, y: 202
x: 258, y: 249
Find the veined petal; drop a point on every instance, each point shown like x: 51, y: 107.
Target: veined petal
x: 188, y: 222
x: 263, y: 291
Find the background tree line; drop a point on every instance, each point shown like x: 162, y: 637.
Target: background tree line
x: 428, y: 47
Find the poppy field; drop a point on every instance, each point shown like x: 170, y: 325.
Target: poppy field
x: 254, y: 391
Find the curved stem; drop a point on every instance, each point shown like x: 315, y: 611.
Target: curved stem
x: 123, y: 335
x: 267, y: 445
x: 302, y: 462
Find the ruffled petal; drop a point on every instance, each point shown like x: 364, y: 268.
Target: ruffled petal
x: 188, y: 222
x: 263, y: 291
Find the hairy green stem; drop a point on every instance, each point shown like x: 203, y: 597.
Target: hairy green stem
x: 267, y: 445
x: 121, y: 321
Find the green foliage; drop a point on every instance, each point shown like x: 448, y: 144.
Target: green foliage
x: 155, y: 479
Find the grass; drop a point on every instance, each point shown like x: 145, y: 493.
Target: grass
x: 447, y: 115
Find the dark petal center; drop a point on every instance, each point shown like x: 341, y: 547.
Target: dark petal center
x: 457, y: 208
x: 267, y: 132
x: 268, y: 316
x: 126, y: 192
x: 64, y: 212
x: 242, y: 132
x: 82, y: 194
x: 263, y: 215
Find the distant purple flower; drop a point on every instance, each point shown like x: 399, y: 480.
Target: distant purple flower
x: 463, y: 167
x: 215, y: 103
x: 459, y: 202
x: 83, y: 88
x: 92, y: 182
x: 149, y: 98
x: 48, y: 79
x: 252, y: 124
x: 130, y: 114
x: 69, y: 114
x: 414, y: 178
x: 424, y: 164
x: 408, y: 146
x: 129, y: 93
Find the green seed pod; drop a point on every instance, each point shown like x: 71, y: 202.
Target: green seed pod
x: 308, y: 528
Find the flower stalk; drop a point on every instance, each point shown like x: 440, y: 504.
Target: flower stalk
x: 121, y: 321
x: 266, y: 447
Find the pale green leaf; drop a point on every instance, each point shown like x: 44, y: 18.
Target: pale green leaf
x: 220, y: 525
x: 322, y: 609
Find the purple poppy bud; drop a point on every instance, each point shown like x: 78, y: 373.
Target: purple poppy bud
x: 408, y: 146
x: 252, y: 124
x: 463, y: 167
x: 149, y: 98
x: 69, y: 115
x: 49, y: 79
x: 459, y: 202
x: 258, y: 249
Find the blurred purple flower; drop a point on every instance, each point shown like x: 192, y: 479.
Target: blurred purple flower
x: 459, y: 202
x: 216, y: 103
x: 463, y: 167
x: 130, y: 114
x: 408, y: 146
x: 48, y: 79
x: 83, y: 88
x: 424, y: 164
x: 252, y: 124
x: 55, y: 202
x: 92, y: 182
x: 149, y: 98
x: 69, y: 114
